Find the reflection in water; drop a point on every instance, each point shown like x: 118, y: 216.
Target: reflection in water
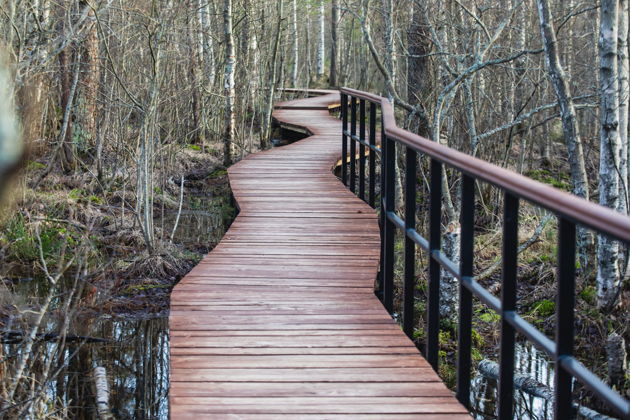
x: 529, y: 361
x: 134, y: 352
x: 137, y: 366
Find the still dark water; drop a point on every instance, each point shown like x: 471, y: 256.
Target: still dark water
x: 529, y: 361
x: 136, y: 362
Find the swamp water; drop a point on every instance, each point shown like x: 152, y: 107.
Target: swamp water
x: 133, y: 349
x: 529, y: 361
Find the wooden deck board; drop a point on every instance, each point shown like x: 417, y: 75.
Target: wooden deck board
x: 280, y: 319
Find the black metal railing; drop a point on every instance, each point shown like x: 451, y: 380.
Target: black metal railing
x: 570, y: 211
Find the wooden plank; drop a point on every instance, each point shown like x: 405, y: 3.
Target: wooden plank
x: 358, y: 375
x: 280, y: 320
x: 288, y: 351
x: 186, y: 412
x: 315, y: 389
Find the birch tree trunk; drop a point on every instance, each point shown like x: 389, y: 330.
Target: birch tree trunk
x: 196, y: 58
x: 321, y: 40
x: 264, y: 138
x: 334, y: 44
x: 254, y: 73
x: 418, y: 78
x: 388, y: 38
x: 203, y: 14
x: 230, y: 92
x: 565, y: 102
x: 90, y: 79
x: 65, y: 68
x: 148, y: 138
x: 296, y: 46
x: 307, y: 43
x: 570, y: 125
x: 608, y: 275
x: 624, y: 91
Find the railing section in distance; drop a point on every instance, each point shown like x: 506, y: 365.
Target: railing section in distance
x: 570, y: 210
x: 280, y: 320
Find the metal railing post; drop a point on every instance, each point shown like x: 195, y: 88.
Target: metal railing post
x: 565, y: 307
x: 508, y: 305
x: 410, y: 245
x: 362, y: 149
x: 467, y: 222
x: 389, y: 152
x: 344, y: 139
x: 353, y: 144
x: 372, y: 164
x: 435, y: 243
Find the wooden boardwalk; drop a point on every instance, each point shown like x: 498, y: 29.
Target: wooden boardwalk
x: 280, y: 319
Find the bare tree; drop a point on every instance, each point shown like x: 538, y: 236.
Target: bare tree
x: 334, y: 43
x: 296, y: 45
x: 321, y: 38
x: 229, y: 89
x: 608, y: 270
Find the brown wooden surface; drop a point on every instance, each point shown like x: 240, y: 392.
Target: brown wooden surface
x: 280, y: 320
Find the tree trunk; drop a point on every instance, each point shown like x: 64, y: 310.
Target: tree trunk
x: 264, y: 139
x: 321, y: 40
x: 203, y: 14
x: 390, y: 45
x: 91, y: 77
x: 229, y: 89
x: 334, y: 44
x: 608, y: 275
x: 67, y: 95
x: 570, y: 126
x: 196, y: 59
x: 565, y: 102
x: 296, y: 46
x: 624, y: 91
x: 418, y: 77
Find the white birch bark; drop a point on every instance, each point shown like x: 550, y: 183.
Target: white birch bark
x: 102, y: 393
x: 388, y: 38
x: 608, y: 275
x: 296, y: 46
x: 334, y: 44
x: 624, y: 91
x: 307, y: 43
x: 206, y: 41
x: 254, y: 79
x: 271, y: 86
x: 229, y: 89
x: 449, y: 285
x: 321, y: 40
x: 565, y: 102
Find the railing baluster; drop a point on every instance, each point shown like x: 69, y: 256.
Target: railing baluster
x: 353, y: 144
x: 467, y: 221
x: 383, y: 216
x: 435, y: 241
x: 372, y: 186
x: 565, y: 306
x: 508, y: 304
x: 344, y: 139
x: 410, y: 245
x: 362, y: 150
x: 389, y: 227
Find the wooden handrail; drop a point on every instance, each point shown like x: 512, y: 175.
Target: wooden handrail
x: 575, y: 208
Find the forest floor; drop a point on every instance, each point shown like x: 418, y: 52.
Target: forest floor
x: 76, y: 215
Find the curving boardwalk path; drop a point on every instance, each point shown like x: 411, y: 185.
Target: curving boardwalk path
x: 280, y: 321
